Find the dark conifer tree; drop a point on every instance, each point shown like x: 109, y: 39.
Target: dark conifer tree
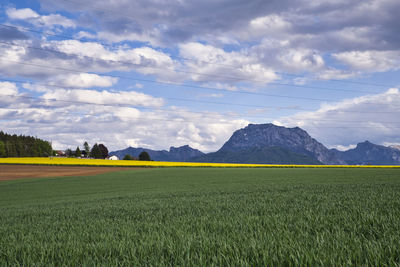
x: 96, y: 152
x: 78, y: 152
x: 103, y: 150
x: 144, y: 156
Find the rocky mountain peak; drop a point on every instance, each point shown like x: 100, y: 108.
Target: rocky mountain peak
x: 261, y: 135
x: 365, y: 144
x: 181, y: 148
x: 270, y: 135
x: 184, y: 153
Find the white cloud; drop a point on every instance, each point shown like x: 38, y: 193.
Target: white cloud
x: 85, y: 57
x: 17, y: 61
x: 284, y: 56
x: 36, y: 87
x: 8, y: 91
x: 88, y: 49
x: 223, y: 86
x: 8, y: 88
x: 270, y: 26
x: 371, y: 117
x: 329, y: 74
x: 45, y: 20
x: 84, y: 80
x: 138, y: 58
x: 104, y: 97
x: 118, y: 127
x: 301, y: 59
x: 214, y: 64
x: 371, y: 61
x: 151, y: 37
x: 344, y: 148
x: 56, y: 19
x: 84, y: 34
x: 144, y: 60
x: 392, y: 145
x: 269, y: 22
x: 24, y: 13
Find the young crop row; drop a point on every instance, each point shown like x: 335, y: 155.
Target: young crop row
x: 136, y: 163
x: 204, y: 217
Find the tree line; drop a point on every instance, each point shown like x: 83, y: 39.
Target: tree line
x: 142, y: 156
x: 98, y: 151
x: 23, y: 146
x: 28, y: 146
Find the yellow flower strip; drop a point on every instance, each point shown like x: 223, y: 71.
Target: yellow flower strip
x: 136, y: 163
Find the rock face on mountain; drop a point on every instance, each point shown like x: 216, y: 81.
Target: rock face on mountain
x: 294, y: 140
x: 266, y: 155
x: 183, y: 153
x: 367, y: 153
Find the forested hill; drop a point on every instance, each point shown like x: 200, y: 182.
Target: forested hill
x: 23, y: 146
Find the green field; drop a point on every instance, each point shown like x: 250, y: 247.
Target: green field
x: 203, y: 216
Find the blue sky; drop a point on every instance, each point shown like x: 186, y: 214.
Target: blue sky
x: 169, y: 73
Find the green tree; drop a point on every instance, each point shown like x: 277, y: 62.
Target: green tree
x: 78, y: 152
x: 68, y: 152
x: 86, y: 149
x: 10, y: 149
x: 3, y: 153
x: 127, y: 157
x: 103, y: 150
x: 20, y: 149
x: 25, y: 146
x: 95, y: 152
x: 144, y: 156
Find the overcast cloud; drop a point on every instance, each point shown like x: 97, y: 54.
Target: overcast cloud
x: 234, y: 46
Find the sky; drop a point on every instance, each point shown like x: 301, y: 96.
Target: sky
x: 157, y: 73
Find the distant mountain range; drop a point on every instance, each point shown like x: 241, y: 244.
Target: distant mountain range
x: 183, y: 153
x: 367, y: 153
x: 268, y: 143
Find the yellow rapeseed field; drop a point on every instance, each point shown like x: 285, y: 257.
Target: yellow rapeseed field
x: 137, y: 163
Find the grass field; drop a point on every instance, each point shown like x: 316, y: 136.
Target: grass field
x: 204, y: 216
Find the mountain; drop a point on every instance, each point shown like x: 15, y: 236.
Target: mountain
x: 274, y: 144
x: 183, y: 153
x: 367, y: 153
x: 271, y: 155
x: 268, y: 143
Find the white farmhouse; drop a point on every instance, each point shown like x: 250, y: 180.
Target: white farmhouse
x: 113, y: 158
